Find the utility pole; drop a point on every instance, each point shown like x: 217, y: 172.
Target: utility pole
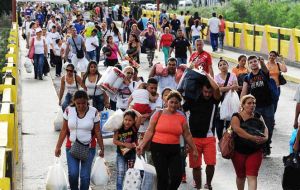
x: 14, y: 10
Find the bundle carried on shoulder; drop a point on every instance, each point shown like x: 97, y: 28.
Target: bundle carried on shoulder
x: 114, y: 122
x: 111, y: 80
x: 190, y: 83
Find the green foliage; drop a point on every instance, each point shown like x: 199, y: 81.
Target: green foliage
x: 276, y: 13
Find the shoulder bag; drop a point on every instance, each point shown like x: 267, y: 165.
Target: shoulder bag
x: 281, y: 78
x: 226, y: 144
x: 148, y: 145
x: 79, y: 52
x: 79, y: 150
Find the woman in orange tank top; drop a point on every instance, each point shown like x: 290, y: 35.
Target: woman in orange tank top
x: 164, y: 132
x: 276, y: 66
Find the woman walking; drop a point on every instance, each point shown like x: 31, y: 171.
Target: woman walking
x: 134, y: 47
x: 96, y: 95
x: 40, y: 50
x: 241, y: 71
x: 114, y: 31
x: 248, y: 152
x: 150, y: 43
x: 81, y: 125
x: 165, y: 43
x: 164, y: 132
x: 112, y: 59
x: 227, y: 81
x: 70, y: 82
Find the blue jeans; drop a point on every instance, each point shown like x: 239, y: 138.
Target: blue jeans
x: 166, y: 50
x: 194, y: 38
x: 181, y: 61
x: 67, y: 101
x: 91, y: 55
x: 214, y: 41
x: 85, y: 170
x: 221, y: 39
x: 38, y: 63
x: 268, y: 115
x: 122, y: 167
x: 98, y: 102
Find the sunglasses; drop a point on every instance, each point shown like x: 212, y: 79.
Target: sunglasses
x: 69, y: 70
x: 129, y: 73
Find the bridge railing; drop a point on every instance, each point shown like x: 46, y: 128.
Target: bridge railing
x: 8, y: 113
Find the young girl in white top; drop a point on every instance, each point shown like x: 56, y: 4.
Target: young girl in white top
x: 196, y: 31
x: 141, y: 99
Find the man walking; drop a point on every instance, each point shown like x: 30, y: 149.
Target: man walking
x: 213, y: 27
x: 202, y: 113
x: 181, y: 45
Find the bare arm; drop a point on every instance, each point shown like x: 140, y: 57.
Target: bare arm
x: 62, y: 89
x: 79, y: 81
x: 67, y: 51
x: 99, y: 138
x: 61, y: 138
x: 215, y: 86
x: 152, y: 72
x: 263, y: 66
x: 283, y: 67
x: 171, y: 50
x: 297, y: 112
x: 211, y: 70
x: 188, y: 137
x: 244, y: 89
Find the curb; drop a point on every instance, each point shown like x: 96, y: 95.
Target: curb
x: 231, y: 60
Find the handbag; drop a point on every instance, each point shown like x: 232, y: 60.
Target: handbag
x: 31, y: 50
x: 226, y: 144
x: 148, y: 145
x: 79, y: 52
x: 282, y: 80
x: 79, y: 150
x: 222, y: 97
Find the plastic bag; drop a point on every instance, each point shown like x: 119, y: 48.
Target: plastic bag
x: 56, y: 177
x: 139, y: 163
x: 114, y: 122
x: 100, y: 173
x: 105, y: 114
x: 149, y: 180
x: 58, y: 122
x: 28, y: 67
x: 230, y: 105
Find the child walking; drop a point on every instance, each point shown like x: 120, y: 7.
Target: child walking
x: 126, y: 140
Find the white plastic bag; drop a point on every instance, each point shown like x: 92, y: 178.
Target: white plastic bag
x: 28, y: 67
x: 230, y: 105
x: 139, y: 163
x: 132, y: 179
x: 114, y: 122
x: 104, y: 116
x: 58, y: 122
x: 100, y: 173
x: 149, y: 180
x: 56, y: 177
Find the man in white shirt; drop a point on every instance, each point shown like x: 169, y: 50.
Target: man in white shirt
x: 169, y: 80
x: 91, y: 44
x: 26, y: 25
x: 53, y: 35
x: 213, y: 27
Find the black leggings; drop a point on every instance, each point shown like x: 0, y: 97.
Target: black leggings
x: 168, y: 164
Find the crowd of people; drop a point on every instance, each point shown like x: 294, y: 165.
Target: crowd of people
x: 154, y: 111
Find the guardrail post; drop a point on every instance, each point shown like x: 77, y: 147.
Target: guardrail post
x: 233, y: 43
x: 278, y: 41
x: 254, y: 38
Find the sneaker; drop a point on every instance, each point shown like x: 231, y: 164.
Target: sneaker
x: 267, y: 151
x: 183, y: 180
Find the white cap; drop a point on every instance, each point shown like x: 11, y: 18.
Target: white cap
x: 38, y: 30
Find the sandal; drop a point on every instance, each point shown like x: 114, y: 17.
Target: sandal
x: 209, y: 187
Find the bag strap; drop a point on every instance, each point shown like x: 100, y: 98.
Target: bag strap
x: 75, y: 44
x: 225, y: 84
x: 279, y: 68
x: 96, y: 85
x: 159, y: 115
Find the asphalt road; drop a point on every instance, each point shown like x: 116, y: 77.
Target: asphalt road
x: 38, y: 147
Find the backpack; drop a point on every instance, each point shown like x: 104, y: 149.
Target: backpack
x: 140, y: 25
x: 271, y: 85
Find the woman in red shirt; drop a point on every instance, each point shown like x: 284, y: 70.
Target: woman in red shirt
x: 165, y: 43
x: 164, y: 132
